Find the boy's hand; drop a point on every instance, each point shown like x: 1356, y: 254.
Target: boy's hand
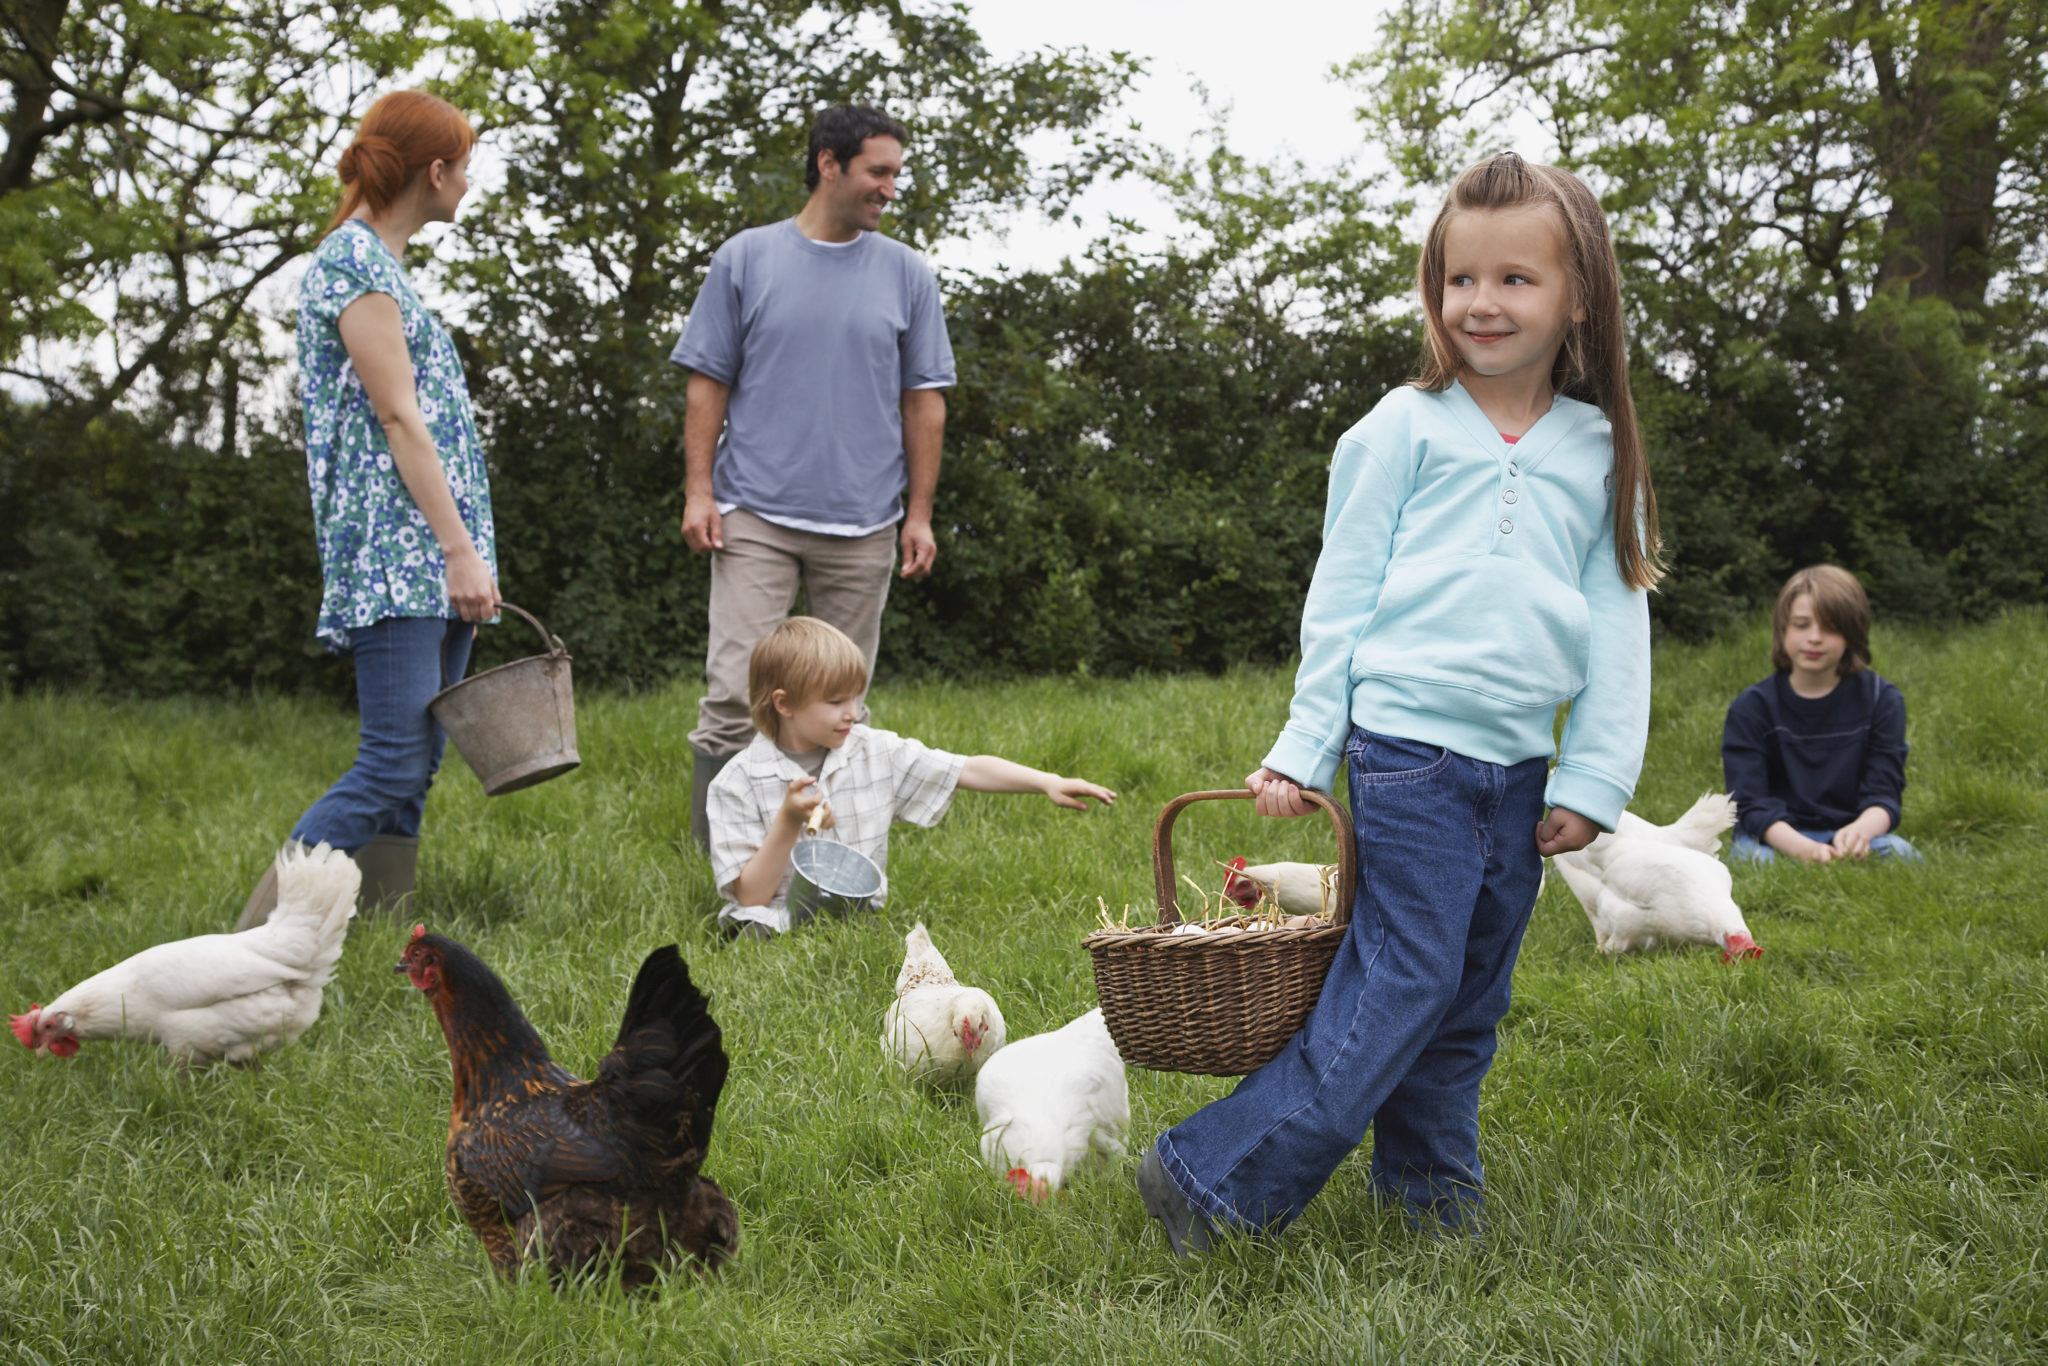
x: 1562, y: 832
x: 1074, y: 792
x: 1278, y: 795
x: 798, y: 804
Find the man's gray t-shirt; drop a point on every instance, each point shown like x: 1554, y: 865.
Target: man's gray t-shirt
x: 818, y: 344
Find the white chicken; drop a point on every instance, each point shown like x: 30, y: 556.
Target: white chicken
x: 1640, y: 892
x: 937, y: 1030
x: 1049, y: 1101
x: 1297, y: 888
x: 218, y: 996
x: 1701, y: 827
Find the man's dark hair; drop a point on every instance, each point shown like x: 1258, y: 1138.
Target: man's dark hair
x: 841, y: 131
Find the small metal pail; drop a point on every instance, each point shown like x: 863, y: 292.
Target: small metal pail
x: 829, y: 876
x: 515, y: 725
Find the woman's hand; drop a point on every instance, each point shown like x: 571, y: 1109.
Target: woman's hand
x: 471, y: 589
x: 1277, y: 794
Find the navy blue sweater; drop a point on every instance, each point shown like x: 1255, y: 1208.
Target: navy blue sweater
x: 1816, y: 763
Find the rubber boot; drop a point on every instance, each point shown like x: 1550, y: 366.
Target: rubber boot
x: 703, y: 768
x: 390, y: 866
x: 262, y: 901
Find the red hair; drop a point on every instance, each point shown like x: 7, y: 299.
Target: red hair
x: 403, y: 133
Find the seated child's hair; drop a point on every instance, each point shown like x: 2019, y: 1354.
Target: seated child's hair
x: 807, y: 659
x: 1840, y: 606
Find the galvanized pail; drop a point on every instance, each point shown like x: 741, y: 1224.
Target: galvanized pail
x: 828, y: 876
x: 515, y: 724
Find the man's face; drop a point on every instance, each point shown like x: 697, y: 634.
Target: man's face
x: 864, y: 186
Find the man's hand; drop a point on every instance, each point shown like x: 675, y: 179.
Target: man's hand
x: 1074, y: 792
x: 1562, y: 832
x: 1813, y: 851
x: 703, y: 528
x: 1277, y: 794
x: 919, y: 550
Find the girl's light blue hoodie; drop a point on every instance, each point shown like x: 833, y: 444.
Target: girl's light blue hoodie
x: 1468, y: 586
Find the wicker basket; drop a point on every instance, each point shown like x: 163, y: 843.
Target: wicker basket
x: 1218, y: 1004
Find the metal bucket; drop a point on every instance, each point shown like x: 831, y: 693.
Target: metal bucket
x: 828, y: 876
x: 515, y: 725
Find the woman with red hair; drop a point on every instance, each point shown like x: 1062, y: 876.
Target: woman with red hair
x: 401, y: 499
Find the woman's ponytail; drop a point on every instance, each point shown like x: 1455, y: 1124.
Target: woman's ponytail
x: 402, y: 134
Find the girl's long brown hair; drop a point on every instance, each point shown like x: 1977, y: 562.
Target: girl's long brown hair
x: 403, y: 133
x: 1592, y: 365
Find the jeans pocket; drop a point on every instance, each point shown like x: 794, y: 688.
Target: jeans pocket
x: 1391, y: 759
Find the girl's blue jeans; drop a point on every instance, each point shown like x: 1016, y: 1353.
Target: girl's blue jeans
x: 1404, y: 1029
x: 401, y: 662
x: 1881, y: 846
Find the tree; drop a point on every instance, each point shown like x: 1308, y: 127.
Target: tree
x: 163, y: 162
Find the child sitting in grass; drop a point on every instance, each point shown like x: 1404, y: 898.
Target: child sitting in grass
x: 804, y: 686
x: 1815, y: 755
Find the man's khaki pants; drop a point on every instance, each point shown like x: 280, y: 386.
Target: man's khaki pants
x: 753, y: 585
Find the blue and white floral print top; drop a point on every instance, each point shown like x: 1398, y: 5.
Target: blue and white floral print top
x: 377, y: 554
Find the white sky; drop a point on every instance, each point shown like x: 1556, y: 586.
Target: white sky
x: 1268, y: 64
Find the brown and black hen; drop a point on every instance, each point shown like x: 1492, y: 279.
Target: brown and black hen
x: 541, y: 1163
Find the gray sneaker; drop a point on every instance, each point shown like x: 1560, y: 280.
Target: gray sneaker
x: 1188, y: 1230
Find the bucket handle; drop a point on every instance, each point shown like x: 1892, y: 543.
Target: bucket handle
x: 553, y: 642
x: 1162, y: 850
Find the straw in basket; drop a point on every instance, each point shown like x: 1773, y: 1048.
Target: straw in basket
x: 1217, y: 1004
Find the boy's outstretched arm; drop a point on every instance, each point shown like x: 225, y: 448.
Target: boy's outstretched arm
x: 991, y: 773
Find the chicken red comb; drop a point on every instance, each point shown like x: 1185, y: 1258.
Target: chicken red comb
x: 1741, y: 946
x: 419, y: 931
x: 24, y: 1026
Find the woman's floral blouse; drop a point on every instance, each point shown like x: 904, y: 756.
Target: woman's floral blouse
x: 377, y: 555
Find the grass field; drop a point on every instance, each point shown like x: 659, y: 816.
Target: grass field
x: 1836, y: 1154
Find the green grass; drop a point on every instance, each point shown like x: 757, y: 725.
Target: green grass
x: 1836, y: 1154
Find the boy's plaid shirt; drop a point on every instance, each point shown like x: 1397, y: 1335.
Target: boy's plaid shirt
x: 875, y: 778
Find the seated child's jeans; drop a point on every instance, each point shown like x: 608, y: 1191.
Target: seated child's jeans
x: 1882, y: 846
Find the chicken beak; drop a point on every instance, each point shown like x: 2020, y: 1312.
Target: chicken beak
x: 399, y: 966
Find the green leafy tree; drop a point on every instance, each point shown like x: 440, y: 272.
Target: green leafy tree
x: 163, y: 162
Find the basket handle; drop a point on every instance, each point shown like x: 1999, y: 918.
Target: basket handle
x: 1162, y: 850
x: 553, y: 642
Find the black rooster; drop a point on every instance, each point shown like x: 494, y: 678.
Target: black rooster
x: 543, y: 1164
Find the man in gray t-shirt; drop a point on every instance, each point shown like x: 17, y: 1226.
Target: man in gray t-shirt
x: 818, y: 362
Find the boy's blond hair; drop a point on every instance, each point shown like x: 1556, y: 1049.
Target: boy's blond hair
x: 806, y: 659
x: 1839, y: 604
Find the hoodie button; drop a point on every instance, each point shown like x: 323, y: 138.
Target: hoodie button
x: 1510, y: 496
x: 1514, y: 469
x: 1507, y: 528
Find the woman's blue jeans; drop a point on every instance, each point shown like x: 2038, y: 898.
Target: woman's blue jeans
x: 1404, y: 1029
x: 401, y: 662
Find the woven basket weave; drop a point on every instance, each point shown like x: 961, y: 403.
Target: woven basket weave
x: 1217, y: 1004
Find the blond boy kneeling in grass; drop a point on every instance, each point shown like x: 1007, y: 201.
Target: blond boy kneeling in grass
x: 804, y: 686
